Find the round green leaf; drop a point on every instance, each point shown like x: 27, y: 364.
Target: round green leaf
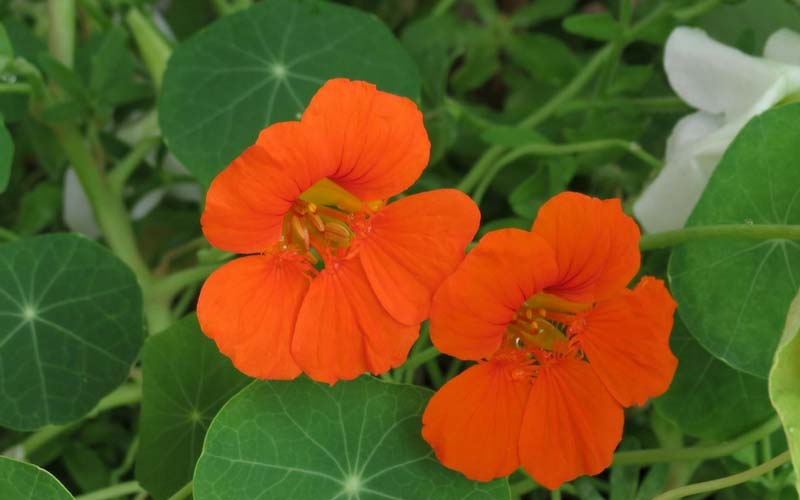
x: 707, y: 398
x: 70, y: 328
x: 733, y: 294
x: 19, y: 480
x: 6, y: 155
x: 186, y: 382
x: 262, y: 65
x: 302, y: 440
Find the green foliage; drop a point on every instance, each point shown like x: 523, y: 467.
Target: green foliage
x: 19, y: 480
x: 186, y: 382
x: 783, y: 387
x: 707, y: 398
x: 734, y: 293
x: 6, y: 155
x: 70, y: 328
x: 280, y: 53
x: 304, y: 440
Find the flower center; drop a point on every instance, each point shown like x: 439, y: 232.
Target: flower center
x: 325, y: 218
x: 542, y: 329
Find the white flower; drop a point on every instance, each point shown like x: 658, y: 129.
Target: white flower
x: 728, y: 88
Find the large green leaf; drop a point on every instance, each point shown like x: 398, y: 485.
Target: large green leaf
x: 733, y: 294
x: 6, y: 155
x: 70, y: 328
x: 20, y: 481
x: 303, y: 440
x: 784, y: 389
x: 186, y: 381
x: 262, y: 65
x: 707, y: 398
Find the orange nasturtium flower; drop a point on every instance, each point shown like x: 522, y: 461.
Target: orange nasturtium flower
x: 313, y: 192
x: 561, y: 344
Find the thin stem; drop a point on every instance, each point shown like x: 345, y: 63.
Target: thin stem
x: 723, y: 231
x: 61, y: 37
x: 522, y: 487
x: 442, y: 7
x: 125, y: 395
x: 419, y: 359
x: 171, y: 255
x: 182, y: 493
x: 703, y: 452
x: 112, y: 492
x: 154, y: 49
x: 15, y: 88
x: 562, y: 149
x: 726, y: 482
x: 123, y: 170
x: 697, y: 9
x: 555, y: 495
x: 8, y: 235
x: 174, y: 283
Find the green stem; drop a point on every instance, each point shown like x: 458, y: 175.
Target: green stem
x: 182, y: 493
x: 697, y: 9
x: 113, y: 492
x: 15, y: 88
x: 61, y: 37
x: 419, y: 359
x: 726, y: 482
x: 125, y: 395
x: 555, y: 495
x: 123, y: 170
x: 704, y: 452
x: 442, y: 7
x: 7, y: 235
x: 522, y: 487
x: 154, y: 49
x: 723, y: 231
x: 562, y: 149
x: 174, y: 283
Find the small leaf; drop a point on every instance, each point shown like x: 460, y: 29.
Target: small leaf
x: 70, y: 328
x: 536, y: 12
x: 6, y: 50
x: 86, y: 467
x: 186, y: 382
x: 262, y: 65
x: 733, y: 293
x: 304, y: 440
x: 596, y: 26
x: 6, y: 155
x: 784, y: 390
x: 545, y: 58
x: 707, y: 398
x: 39, y: 208
x: 481, y: 61
x: 19, y: 480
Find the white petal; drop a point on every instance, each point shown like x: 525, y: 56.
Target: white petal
x: 186, y: 191
x: 147, y: 203
x: 689, y: 130
x: 714, y: 77
x: 783, y: 46
x: 667, y: 202
x: 77, y: 211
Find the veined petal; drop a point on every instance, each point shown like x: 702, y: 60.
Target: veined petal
x: 343, y: 331
x: 473, y: 307
x: 412, y: 245
x: 249, y: 307
x: 571, y: 425
x: 246, y: 202
x: 378, y: 139
x: 714, y: 77
x: 473, y: 421
x: 596, y: 245
x: 626, y: 339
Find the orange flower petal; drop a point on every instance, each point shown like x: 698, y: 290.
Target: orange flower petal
x: 249, y: 307
x: 473, y: 307
x: 626, y: 339
x: 378, y: 139
x: 247, y: 201
x: 596, y: 245
x: 571, y: 424
x: 413, y: 245
x: 473, y: 421
x: 343, y: 331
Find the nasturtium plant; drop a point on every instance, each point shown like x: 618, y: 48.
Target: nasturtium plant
x: 70, y: 328
x: 305, y: 440
x: 261, y: 66
x: 20, y: 480
x: 734, y: 292
x: 349, y: 249
x: 187, y: 382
